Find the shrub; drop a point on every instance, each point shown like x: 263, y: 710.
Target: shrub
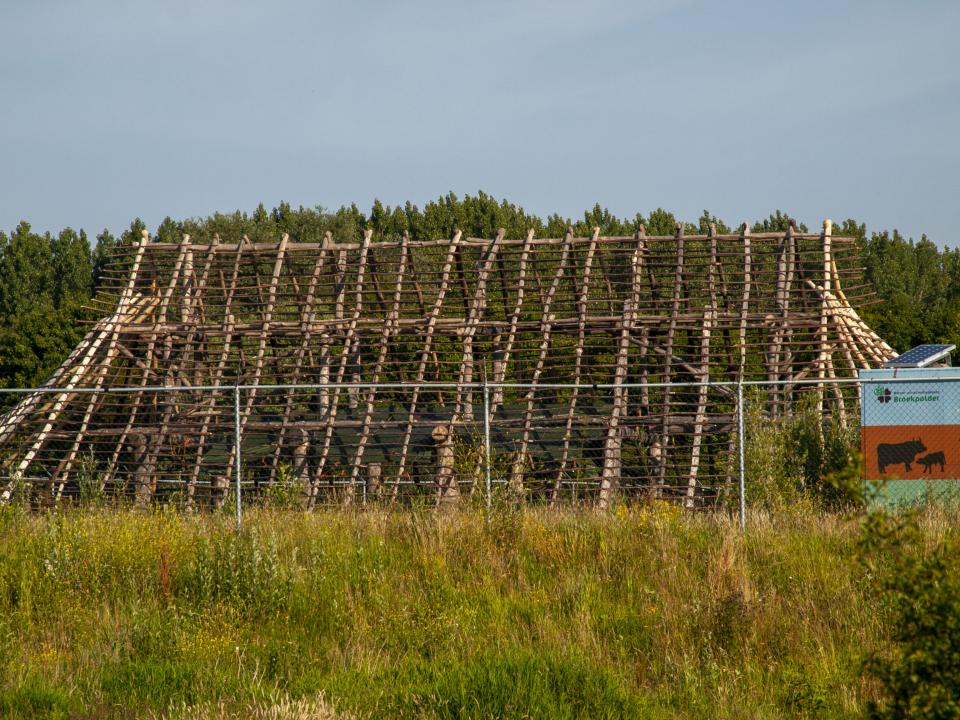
x: 919, y: 672
x: 90, y: 482
x: 242, y: 568
x: 800, y: 454
x: 286, y: 493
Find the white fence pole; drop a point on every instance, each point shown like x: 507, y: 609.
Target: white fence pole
x: 236, y: 455
x: 486, y: 442
x: 743, y: 471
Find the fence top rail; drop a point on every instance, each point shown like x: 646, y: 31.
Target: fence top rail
x: 472, y: 385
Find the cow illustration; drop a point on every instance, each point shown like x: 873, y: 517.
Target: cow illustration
x: 899, y: 453
x: 931, y: 459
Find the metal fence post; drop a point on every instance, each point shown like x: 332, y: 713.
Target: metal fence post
x: 486, y: 441
x: 743, y: 471
x: 236, y: 455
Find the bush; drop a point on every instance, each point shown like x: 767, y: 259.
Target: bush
x: 286, y: 493
x: 802, y: 454
x: 242, y: 568
x: 920, y: 589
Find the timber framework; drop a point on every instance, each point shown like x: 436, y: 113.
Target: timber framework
x: 353, y: 352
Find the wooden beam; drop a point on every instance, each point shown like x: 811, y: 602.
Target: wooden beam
x: 425, y: 353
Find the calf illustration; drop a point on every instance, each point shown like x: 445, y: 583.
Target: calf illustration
x: 931, y: 459
x: 899, y: 454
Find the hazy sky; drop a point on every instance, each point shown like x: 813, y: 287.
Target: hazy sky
x: 117, y: 109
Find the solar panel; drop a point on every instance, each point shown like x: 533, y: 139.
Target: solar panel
x: 920, y: 356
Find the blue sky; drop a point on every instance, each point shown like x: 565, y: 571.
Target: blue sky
x: 121, y: 109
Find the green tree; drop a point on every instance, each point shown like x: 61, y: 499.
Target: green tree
x: 776, y: 222
x: 102, y: 255
x: 661, y: 222
x: 44, y: 282
x: 705, y: 221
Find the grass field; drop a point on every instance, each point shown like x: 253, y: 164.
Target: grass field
x: 642, y: 612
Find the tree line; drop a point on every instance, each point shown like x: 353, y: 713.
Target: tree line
x: 46, y: 280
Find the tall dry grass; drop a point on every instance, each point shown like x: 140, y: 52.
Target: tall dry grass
x: 641, y: 612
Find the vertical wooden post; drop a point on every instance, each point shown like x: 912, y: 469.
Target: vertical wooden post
x: 331, y: 419
x: 325, y: 339
x: 237, y: 456
x: 774, y: 372
x: 500, y: 363
x: 477, y: 308
x: 425, y: 353
x: 822, y: 332
x: 709, y: 315
x: 786, y: 366
x: 301, y: 469
x: 448, y: 489
x: 546, y: 325
x: 645, y: 330
x: 390, y: 327
x: 307, y: 317
x: 141, y: 474
x: 612, y: 450
x: 668, y: 362
x: 262, y: 339
x: 582, y: 312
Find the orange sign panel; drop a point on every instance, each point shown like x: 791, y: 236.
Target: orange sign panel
x: 911, y: 452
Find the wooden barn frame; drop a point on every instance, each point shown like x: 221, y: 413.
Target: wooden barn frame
x: 361, y: 361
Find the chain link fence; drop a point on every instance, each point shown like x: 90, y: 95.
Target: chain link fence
x: 709, y: 446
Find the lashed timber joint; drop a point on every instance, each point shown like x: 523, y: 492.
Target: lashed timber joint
x: 399, y: 314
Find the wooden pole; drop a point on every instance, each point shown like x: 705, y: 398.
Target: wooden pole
x: 501, y: 363
x: 824, y: 338
x: 582, y: 311
x: 477, y: 309
x: 307, y: 317
x: 221, y: 482
x: 126, y: 298
x: 516, y: 473
x: 612, y: 449
x: 389, y: 328
x: 663, y: 441
x: 425, y: 354
x: 344, y: 358
x: 702, y: 391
